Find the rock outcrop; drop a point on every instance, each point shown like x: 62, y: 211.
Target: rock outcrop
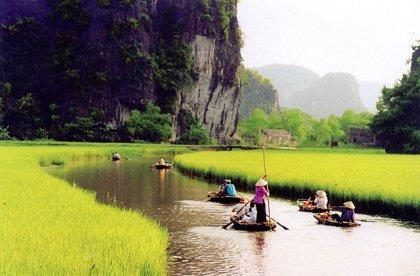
x: 76, y: 58
x: 256, y: 92
x: 333, y: 94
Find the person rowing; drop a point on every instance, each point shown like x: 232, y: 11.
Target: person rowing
x: 222, y: 188
x: 347, y: 212
x: 260, y: 194
x: 230, y: 189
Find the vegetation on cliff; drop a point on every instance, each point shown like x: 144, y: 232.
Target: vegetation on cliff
x: 256, y: 92
x: 86, y: 64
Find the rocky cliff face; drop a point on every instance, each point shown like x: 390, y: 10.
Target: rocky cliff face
x: 75, y: 58
x: 333, y: 94
x: 415, y: 59
x: 256, y: 92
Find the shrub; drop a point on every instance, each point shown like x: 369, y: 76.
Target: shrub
x: 150, y: 125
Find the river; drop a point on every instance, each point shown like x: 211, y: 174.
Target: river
x: 199, y: 246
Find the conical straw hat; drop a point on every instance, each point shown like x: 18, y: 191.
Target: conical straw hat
x: 349, y: 204
x: 321, y: 193
x: 261, y: 182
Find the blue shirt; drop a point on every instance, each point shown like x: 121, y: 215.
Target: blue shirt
x: 347, y: 214
x: 230, y: 190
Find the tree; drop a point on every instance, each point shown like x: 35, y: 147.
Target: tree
x: 397, y: 123
x: 195, y: 135
x: 297, y: 122
x: 150, y: 125
x: 351, y: 119
x: 250, y: 128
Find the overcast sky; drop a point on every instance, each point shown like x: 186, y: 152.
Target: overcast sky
x: 370, y: 39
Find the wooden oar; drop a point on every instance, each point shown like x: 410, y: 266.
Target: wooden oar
x: 284, y: 227
x: 228, y: 224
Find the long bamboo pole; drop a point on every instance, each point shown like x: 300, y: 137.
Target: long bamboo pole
x: 268, y: 190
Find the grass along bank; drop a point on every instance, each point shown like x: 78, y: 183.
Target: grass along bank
x: 49, y: 226
x: 377, y: 182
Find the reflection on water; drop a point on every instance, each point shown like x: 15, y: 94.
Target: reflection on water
x: 199, y: 246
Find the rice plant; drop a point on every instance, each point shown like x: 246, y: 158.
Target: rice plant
x: 374, y: 179
x: 49, y: 226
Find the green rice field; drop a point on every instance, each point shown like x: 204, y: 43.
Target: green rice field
x: 375, y: 181
x: 49, y: 226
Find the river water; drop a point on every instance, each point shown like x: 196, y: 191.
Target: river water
x: 199, y: 246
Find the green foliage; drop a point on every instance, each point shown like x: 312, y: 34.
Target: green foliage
x: 71, y: 12
x: 397, y: 123
x: 225, y: 15
x: 256, y: 92
x: 4, y: 134
x: 150, y: 125
x: 206, y: 15
x: 191, y: 129
x: 250, y: 128
x: 303, y: 127
x: 173, y: 66
x: 196, y: 135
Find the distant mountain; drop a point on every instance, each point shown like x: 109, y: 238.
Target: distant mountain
x: 333, y: 94
x: 369, y: 93
x: 288, y: 78
x: 256, y: 92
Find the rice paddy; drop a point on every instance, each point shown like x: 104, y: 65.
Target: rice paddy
x: 375, y: 181
x: 49, y: 226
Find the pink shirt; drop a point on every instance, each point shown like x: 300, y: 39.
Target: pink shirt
x: 260, y: 193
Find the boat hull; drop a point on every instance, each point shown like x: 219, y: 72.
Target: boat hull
x: 331, y: 222
x: 224, y: 199
x: 254, y: 227
x: 163, y: 166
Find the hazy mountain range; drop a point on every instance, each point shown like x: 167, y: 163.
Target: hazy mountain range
x: 318, y: 96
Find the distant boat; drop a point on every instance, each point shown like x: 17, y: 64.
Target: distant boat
x: 214, y: 197
x: 161, y: 166
x: 305, y: 207
x: 325, y: 218
x: 116, y: 157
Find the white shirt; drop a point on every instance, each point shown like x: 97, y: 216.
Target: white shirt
x: 242, y: 212
x: 321, y: 202
x: 250, y: 217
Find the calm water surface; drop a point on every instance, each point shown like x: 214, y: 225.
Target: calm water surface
x: 199, y: 246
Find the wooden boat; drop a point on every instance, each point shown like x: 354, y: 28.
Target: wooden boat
x: 212, y: 196
x: 253, y: 227
x: 304, y: 207
x: 163, y: 166
x: 325, y: 218
x: 116, y: 157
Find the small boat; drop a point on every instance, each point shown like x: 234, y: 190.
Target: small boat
x: 165, y: 165
x: 253, y: 227
x: 212, y: 196
x: 305, y: 207
x: 325, y: 218
x: 116, y: 157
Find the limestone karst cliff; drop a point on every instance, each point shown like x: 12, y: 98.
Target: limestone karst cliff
x: 102, y: 58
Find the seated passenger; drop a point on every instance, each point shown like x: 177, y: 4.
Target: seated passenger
x: 347, y: 212
x: 321, y: 200
x: 161, y: 162
x: 230, y: 189
x: 250, y: 216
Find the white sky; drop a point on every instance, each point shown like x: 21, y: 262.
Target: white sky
x: 370, y: 39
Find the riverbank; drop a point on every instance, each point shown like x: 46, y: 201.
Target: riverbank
x: 378, y: 183
x: 49, y: 226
